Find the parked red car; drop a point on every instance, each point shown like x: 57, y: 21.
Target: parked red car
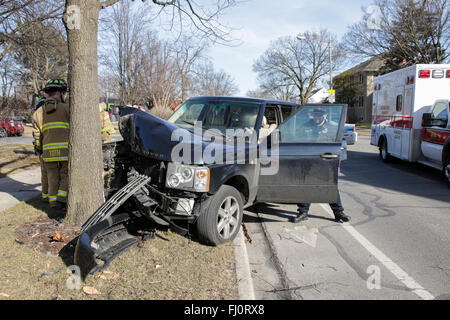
x: 10, y: 127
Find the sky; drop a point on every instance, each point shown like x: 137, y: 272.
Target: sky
x: 260, y: 21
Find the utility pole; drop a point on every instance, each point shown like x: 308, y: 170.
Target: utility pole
x: 331, y: 91
x: 331, y: 68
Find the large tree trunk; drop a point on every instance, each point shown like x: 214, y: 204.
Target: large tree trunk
x: 85, y: 150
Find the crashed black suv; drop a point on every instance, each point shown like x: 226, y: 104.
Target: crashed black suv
x: 199, y: 169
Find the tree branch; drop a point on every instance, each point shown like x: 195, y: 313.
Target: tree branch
x: 107, y: 3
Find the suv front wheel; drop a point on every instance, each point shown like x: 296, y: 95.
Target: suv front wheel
x: 221, y: 217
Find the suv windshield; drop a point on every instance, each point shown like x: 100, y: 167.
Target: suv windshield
x: 219, y: 115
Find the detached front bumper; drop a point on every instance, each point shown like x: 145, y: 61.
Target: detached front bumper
x: 102, y: 243
x: 107, y: 234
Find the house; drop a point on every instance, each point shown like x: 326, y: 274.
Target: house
x: 355, y: 88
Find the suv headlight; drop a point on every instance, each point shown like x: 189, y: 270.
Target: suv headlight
x: 180, y: 176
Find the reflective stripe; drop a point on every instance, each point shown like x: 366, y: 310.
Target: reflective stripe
x: 62, y: 193
x: 58, y: 145
x: 52, y: 198
x: 44, y: 195
x: 108, y: 128
x: 106, y: 117
x: 56, y: 159
x: 38, y: 143
x: 54, y: 125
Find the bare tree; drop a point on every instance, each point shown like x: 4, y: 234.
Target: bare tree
x: 159, y: 74
x: 188, y: 53
x: 209, y: 82
x: 41, y: 54
x: 125, y: 33
x: 290, y: 68
x: 18, y: 17
x: 81, y: 20
x: 403, y: 33
x: 7, y: 79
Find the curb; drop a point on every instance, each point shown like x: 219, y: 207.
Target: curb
x: 276, y: 260
x: 243, y: 275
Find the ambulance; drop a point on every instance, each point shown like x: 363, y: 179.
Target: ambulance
x: 410, y: 116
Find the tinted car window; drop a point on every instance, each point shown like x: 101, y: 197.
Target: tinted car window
x: 440, y: 111
x: 187, y: 114
x: 286, y: 111
x: 308, y: 126
x: 219, y: 115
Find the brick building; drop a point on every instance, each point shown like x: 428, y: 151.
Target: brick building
x: 355, y: 88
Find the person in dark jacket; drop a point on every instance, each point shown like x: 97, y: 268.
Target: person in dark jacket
x: 315, y: 127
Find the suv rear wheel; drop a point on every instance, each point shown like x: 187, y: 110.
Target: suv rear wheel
x: 220, y: 220
x: 3, y: 132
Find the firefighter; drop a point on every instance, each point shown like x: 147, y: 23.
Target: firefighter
x: 44, y: 181
x: 319, y: 128
x: 107, y: 128
x: 51, y: 134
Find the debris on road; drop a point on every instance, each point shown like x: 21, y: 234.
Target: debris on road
x: 247, y: 234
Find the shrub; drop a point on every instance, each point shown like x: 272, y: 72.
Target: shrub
x: 162, y: 112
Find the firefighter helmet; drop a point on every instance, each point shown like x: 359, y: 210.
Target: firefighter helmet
x: 55, y: 85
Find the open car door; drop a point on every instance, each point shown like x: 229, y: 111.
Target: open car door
x: 304, y: 168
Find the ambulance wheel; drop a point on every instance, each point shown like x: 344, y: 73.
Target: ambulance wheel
x: 384, y: 154
x: 447, y: 168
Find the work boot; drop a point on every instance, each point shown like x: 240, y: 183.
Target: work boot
x: 60, y: 207
x: 299, y: 217
x: 341, y: 216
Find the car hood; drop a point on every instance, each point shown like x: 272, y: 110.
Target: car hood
x: 153, y: 137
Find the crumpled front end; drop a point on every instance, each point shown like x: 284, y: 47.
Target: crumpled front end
x: 135, y: 188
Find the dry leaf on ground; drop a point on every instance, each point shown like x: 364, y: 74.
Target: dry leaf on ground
x: 108, y: 275
x: 58, y: 237
x: 90, y: 290
x: 4, y: 295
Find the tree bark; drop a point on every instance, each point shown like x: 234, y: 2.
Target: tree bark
x: 85, y: 150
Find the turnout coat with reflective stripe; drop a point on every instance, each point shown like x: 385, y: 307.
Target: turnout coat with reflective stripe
x: 51, y: 130
x: 106, y: 127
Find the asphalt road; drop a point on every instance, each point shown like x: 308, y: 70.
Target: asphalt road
x: 396, y: 246
x: 25, y: 139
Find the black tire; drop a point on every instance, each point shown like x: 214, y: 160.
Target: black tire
x: 447, y: 169
x: 384, y: 154
x: 218, y: 223
x: 3, y: 133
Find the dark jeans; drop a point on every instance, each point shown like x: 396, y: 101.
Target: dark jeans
x: 304, y: 207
